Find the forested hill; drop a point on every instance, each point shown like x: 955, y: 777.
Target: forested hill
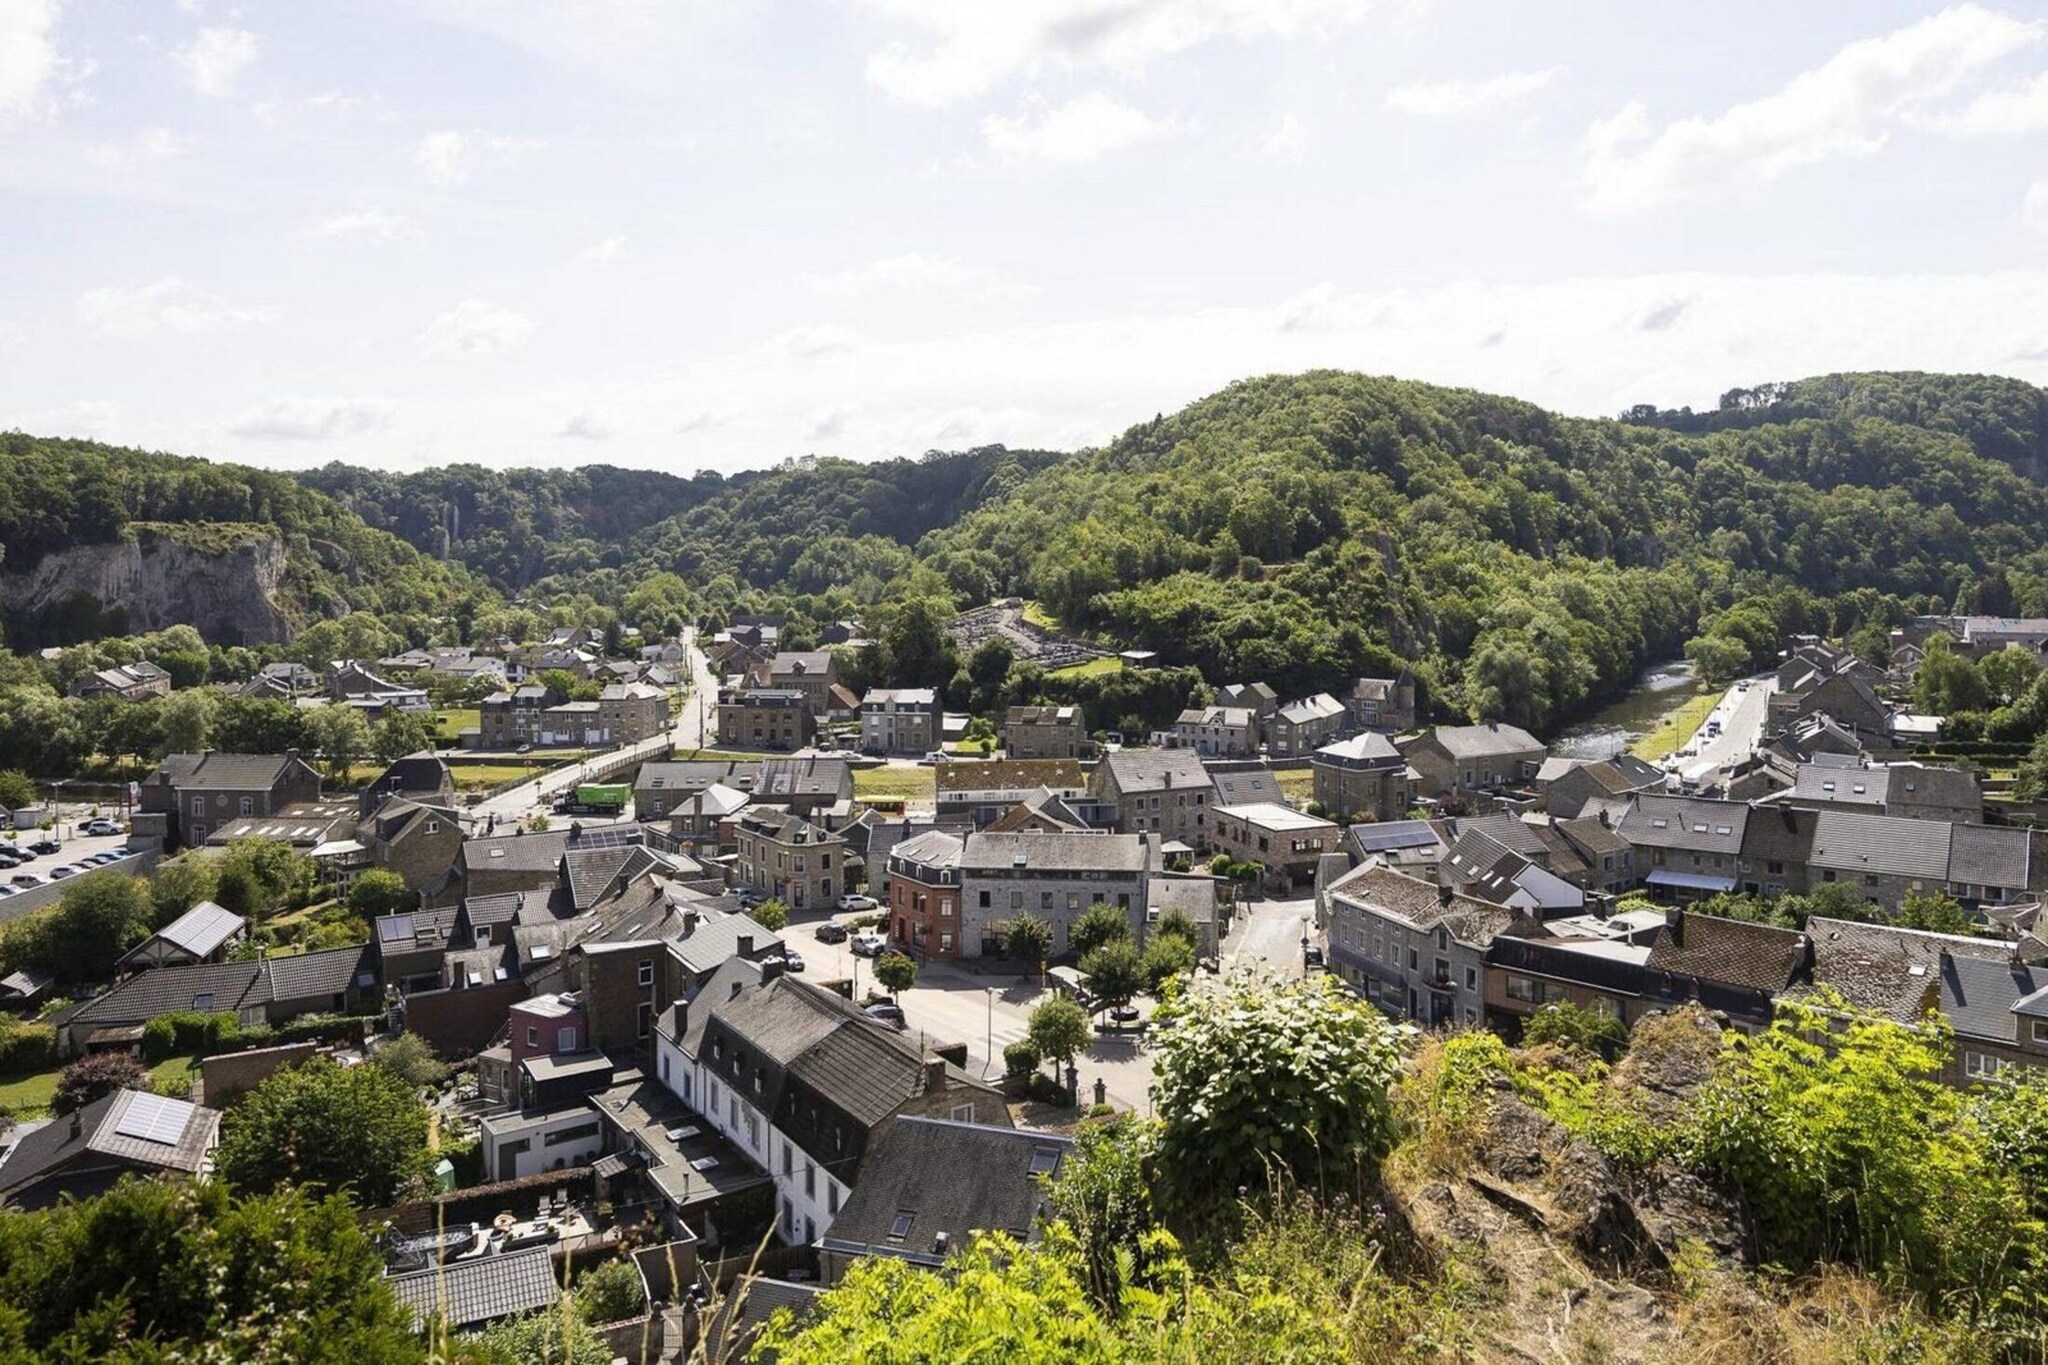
x: 61, y: 496
x: 763, y: 527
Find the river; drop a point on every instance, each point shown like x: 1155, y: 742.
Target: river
x: 1656, y: 695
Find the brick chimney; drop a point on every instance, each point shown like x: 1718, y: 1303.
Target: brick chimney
x: 934, y: 1075
x: 746, y: 945
x: 1674, y: 920
x: 690, y: 918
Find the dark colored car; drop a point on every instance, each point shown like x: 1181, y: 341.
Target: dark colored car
x: 831, y: 931
x: 46, y: 846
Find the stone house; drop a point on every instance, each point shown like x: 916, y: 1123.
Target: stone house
x: 508, y: 719
x: 629, y: 712
x: 1686, y: 845
x: 125, y: 682
x: 1301, y: 727
x: 785, y: 857
x: 813, y: 672
x: 900, y: 720
x: 766, y: 718
x: 1218, y: 731
x: 419, y: 842
x: 1046, y: 732
x: 1568, y: 793
x: 1284, y: 841
x: 983, y: 790
x: 1386, y: 705
x: 1053, y: 876
x: 1364, y: 777
x: 195, y: 794
x: 1462, y: 760
x: 1417, y: 951
x: 1166, y: 793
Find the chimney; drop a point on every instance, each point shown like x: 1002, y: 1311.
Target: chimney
x: 1443, y: 894
x: 689, y: 922
x: 1805, y: 965
x: 1674, y: 920
x: 77, y: 1123
x: 746, y: 945
x: 1606, y: 819
x: 292, y: 752
x: 934, y: 1075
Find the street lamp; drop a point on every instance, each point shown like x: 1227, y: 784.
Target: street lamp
x: 989, y: 1045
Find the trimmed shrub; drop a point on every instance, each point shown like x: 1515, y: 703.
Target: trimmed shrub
x: 1020, y: 1058
x: 27, y: 1047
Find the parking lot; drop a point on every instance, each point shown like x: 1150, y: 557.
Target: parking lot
x: 74, y: 850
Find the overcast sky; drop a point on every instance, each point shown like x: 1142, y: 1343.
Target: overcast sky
x: 682, y: 234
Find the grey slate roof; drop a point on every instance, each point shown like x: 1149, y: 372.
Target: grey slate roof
x: 1322, y: 706
x: 1484, y: 741
x: 1881, y: 844
x: 1987, y: 855
x: 1689, y: 823
x: 43, y: 1150
x: 1250, y: 787
x: 1895, y: 972
x: 985, y: 852
x: 932, y: 848
x: 1419, y: 905
x: 471, y: 1293
x: 231, y: 985
x: 1391, y: 834
x: 1368, y: 750
x: 1155, y: 770
x: 225, y: 772
x: 515, y: 852
x: 1979, y: 995
x: 1841, y: 786
x: 1508, y: 831
x: 952, y: 1180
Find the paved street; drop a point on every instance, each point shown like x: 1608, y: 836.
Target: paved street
x: 1741, y: 712
x: 1267, y: 936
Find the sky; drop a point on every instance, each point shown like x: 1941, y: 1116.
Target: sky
x: 687, y: 235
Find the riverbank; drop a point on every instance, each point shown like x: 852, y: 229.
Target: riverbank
x: 1656, y: 718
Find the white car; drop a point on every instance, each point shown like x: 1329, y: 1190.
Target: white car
x: 64, y: 871
x: 868, y: 943
x: 853, y: 900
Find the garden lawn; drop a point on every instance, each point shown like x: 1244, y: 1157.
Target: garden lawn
x: 456, y: 719
x: 182, y: 1070
x: 1296, y: 784
x: 28, y: 1096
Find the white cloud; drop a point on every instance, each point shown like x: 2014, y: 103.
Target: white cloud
x: 965, y: 50
x: 587, y: 425
x: 2034, y: 208
x: 449, y: 156
x: 1444, y: 99
x: 2015, y: 109
x: 145, y: 147
x: 1845, y: 107
x: 813, y: 343
x: 312, y: 419
x: 28, y: 53
x: 1286, y: 142
x: 214, y: 58
x: 914, y: 272
x: 476, y: 329
x: 1085, y: 127
x: 369, y: 225
x: 604, y: 252
x: 166, y: 305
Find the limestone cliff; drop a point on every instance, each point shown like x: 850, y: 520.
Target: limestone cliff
x: 222, y: 579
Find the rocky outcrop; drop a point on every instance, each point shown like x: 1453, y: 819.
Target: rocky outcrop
x: 225, y: 582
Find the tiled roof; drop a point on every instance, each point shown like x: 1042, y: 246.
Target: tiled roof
x: 785, y: 777
x: 1417, y: 904
x: 1508, y: 831
x: 1988, y: 855
x: 591, y: 870
x: 1978, y: 995
x: 1759, y: 957
x: 181, y: 1146
x: 1693, y: 824
x: 515, y: 852
x: 226, y: 772
x: 1778, y: 834
x: 1254, y: 786
x: 471, y: 1293
x: 1009, y: 774
x: 951, y: 1180
x: 1371, y: 837
x: 933, y: 848
x: 1368, y: 750
x: 1840, y: 786
x: 1306, y: 711
x: 1893, y: 971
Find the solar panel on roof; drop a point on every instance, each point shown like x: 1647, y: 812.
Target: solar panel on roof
x: 153, y: 1118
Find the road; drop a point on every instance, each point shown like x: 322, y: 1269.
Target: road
x: 1267, y: 937
x: 1742, y: 710
x: 509, y: 808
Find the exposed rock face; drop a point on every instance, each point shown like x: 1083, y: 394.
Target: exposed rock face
x: 229, y: 592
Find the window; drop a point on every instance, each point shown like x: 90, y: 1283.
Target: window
x: 533, y: 1035
x: 1522, y: 988
x: 575, y: 1134
x: 1471, y: 980
x: 248, y: 805
x: 647, y: 971
x: 199, y: 805
x: 1045, y: 900
x: 2041, y: 1030
x: 1016, y: 900
x: 810, y: 1179
x: 1443, y: 940
x: 646, y: 1019
x: 565, y: 1039
x: 831, y: 1197
x: 899, y: 1227
x: 1073, y: 900
x: 1414, y: 959
x: 945, y: 907
x: 788, y: 1159
x: 1980, y: 1065
x: 945, y: 943
x: 753, y: 1130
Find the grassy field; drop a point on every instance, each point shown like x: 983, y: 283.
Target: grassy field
x: 1296, y: 784
x: 456, y: 719
x: 1108, y: 663
x: 477, y: 777
x: 182, y: 1070
x: 28, y: 1096
x: 1678, y: 727
x: 900, y: 784
x: 1037, y: 615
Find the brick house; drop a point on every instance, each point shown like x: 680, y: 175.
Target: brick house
x: 1284, y: 841
x: 786, y: 857
x: 924, y: 894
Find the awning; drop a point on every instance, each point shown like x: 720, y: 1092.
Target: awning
x: 338, y: 848
x: 617, y: 1164
x: 1690, y: 881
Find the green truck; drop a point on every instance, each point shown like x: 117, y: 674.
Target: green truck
x: 603, y: 798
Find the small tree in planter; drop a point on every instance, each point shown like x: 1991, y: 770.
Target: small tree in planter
x: 1028, y: 939
x: 1059, y: 1030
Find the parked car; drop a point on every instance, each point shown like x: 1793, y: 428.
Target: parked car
x: 1312, y: 956
x: 868, y: 943
x: 854, y: 900
x: 46, y: 846
x: 831, y: 931
x: 10, y: 856
x: 791, y: 962
x: 26, y: 879
x: 885, y: 1013
x: 63, y: 870
x: 102, y: 827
